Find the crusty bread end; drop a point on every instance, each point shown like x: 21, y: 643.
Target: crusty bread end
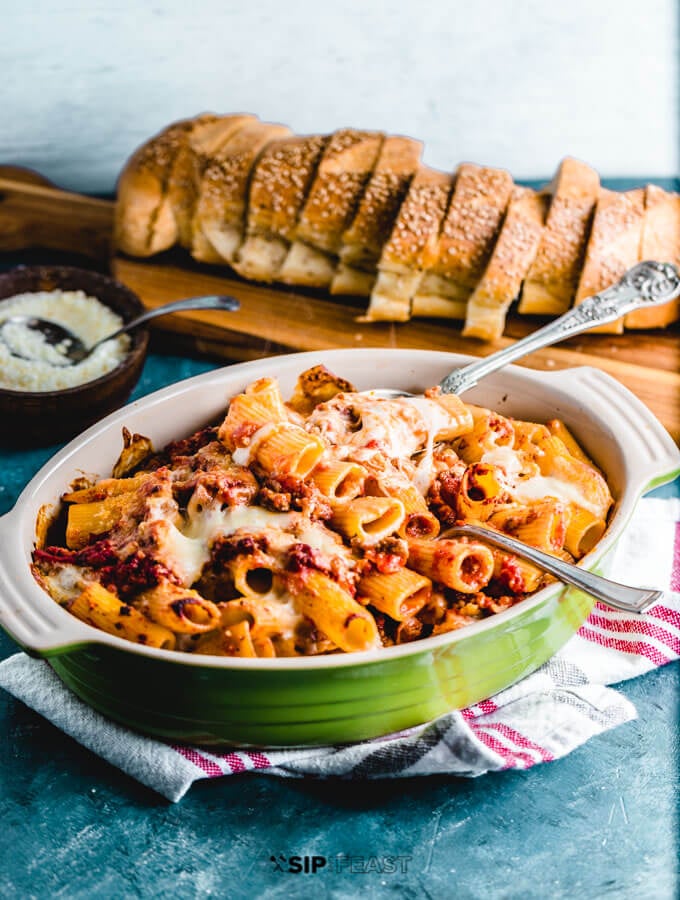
x: 660, y: 242
x: 144, y: 223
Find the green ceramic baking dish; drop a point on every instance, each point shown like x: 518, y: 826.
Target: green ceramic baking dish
x: 332, y: 699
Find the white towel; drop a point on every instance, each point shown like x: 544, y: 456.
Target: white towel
x: 541, y: 718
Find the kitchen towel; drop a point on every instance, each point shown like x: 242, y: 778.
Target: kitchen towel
x: 539, y: 719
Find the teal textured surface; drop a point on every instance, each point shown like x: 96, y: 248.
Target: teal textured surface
x: 601, y: 822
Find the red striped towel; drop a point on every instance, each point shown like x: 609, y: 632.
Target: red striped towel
x: 539, y: 719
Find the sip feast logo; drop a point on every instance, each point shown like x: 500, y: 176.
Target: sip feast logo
x: 342, y: 863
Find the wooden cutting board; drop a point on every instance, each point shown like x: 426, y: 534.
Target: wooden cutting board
x: 280, y: 319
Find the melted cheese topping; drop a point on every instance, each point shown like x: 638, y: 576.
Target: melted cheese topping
x: 243, y: 456
x: 191, y: 547
x: 537, y: 487
x: 68, y: 580
x: 397, y: 429
x: 436, y: 419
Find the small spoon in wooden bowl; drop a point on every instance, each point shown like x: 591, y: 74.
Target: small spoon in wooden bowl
x: 74, y: 350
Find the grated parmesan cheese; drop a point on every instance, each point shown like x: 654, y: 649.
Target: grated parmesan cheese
x: 48, y: 369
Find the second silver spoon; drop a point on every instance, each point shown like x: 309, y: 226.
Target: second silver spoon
x: 646, y: 284
x: 619, y: 596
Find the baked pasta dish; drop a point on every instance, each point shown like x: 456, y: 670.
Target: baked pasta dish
x: 318, y: 525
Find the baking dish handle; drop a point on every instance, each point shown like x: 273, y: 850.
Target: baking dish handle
x: 649, y: 449
x: 41, y: 628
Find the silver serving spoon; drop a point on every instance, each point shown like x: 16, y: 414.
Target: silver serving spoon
x: 74, y: 350
x: 646, y: 284
x: 619, y: 596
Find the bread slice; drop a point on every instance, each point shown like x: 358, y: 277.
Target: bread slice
x: 144, y: 223
x: 353, y: 282
x: 660, y: 242
x: 613, y: 246
x: 219, y: 218
x: 411, y: 246
x: 278, y: 189
x: 473, y: 220
x: 509, y: 263
x: 370, y: 229
x: 344, y: 170
x: 204, y: 141
x: 551, y: 283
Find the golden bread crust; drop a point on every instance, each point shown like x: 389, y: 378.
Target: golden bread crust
x: 552, y: 280
x: 344, y: 169
x: 204, y: 141
x: 219, y: 219
x: 510, y: 260
x: 472, y: 222
x: 415, y: 232
x: 357, y: 213
x: 279, y: 186
x: 660, y: 242
x: 141, y: 190
x: 372, y: 225
x: 613, y: 245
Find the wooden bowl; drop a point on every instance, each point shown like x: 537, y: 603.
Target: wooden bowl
x: 34, y: 418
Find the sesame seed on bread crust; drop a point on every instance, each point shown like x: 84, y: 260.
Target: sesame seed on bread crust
x: 278, y: 189
x: 510, y: 260
x: 363, y: 240
x: 410, y: 246
x: 551, y: 283
x: 142, y: 216
x: 661, y: 242
x: 356, y: 212
x: 613, y: 245
x: 219, y: 218
x: 344, y: 170
x: 468, y: 234
x: 204, y: 141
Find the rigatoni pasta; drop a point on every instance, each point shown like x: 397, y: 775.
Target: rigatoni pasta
x: 319, y: 525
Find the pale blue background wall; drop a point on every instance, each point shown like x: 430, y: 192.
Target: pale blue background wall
x: 518, y: 84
